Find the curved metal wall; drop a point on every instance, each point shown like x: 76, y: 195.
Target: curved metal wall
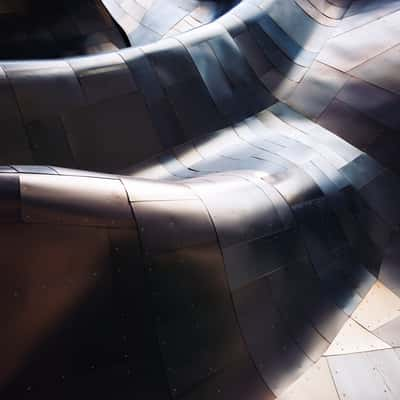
x: 227, y: 246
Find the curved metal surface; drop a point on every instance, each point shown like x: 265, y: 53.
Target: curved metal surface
x: 204, y: 217
x: 48, y: 29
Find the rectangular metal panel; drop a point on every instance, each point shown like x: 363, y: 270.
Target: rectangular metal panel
x: 149, y: 190
x: 295, y: 186
x: 127, y: 118
x: 14, y: 143
x: 49, y: 142
x: 243, y: 79
x: 240, y: 381
x: 35, y: 169
x: 196, y: 322
x: 140, y: 359
x: 389, y: 273
x: 277, y: 357
x: 252, y: 260
x: 10, y: 198
x: 294, y: 301
x: 340, y: 152
x: 349, y: 370
x: 298, y: 290
x: 389, y: 332
x: 253, y: 53
x: 214, y: 78
x: 169, y: 225
x: 74, y: 201
x: 361, y: 171
x: 55, y: 81
x: 307, y: 33
x: 162, y: 113
x: 160, y: 18
x: 383, y: 196
x: 251, y: 215
x: 199, y: 115
x: 275, y: 55
x: 103, y: 76
x: 382, y: 69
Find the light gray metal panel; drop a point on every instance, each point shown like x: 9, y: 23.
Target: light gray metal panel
x: 378, y: 370
x: 241, y: 220
x: 147, y: 190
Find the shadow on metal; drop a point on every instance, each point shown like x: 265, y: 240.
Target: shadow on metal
x: 178, y: 222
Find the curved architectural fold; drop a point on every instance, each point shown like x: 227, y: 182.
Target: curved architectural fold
x: 211, y: 215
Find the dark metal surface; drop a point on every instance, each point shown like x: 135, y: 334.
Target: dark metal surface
x: 211, y: 215
x: 48, y: 29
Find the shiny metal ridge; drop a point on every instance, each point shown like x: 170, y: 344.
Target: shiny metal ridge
x: 199, y: 200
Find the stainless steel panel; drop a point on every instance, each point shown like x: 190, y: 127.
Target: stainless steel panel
x: 10, y: 197
x: 178, y: 223
x: 194, y: 314
x: 71, y: 200
x: 276, y: 355
x: 216, y: 244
